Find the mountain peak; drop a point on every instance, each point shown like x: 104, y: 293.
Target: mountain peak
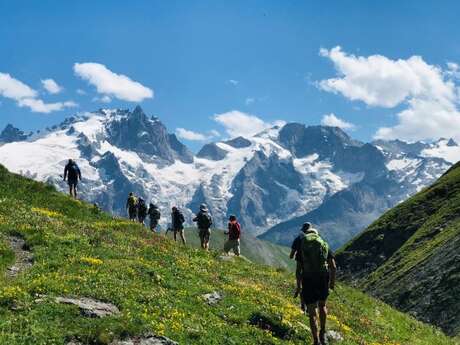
x: 11, y: 134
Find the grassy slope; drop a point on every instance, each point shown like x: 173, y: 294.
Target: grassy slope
x: 156, y: 284
x: 258, y: 251
x: 413, y: 240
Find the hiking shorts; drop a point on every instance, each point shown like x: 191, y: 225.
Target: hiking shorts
x: 204, y: 234
x: 232, y: 245
x: 72, y: 183
x: 132, y: 213
x: 315, y: 287
x: 153, y: 224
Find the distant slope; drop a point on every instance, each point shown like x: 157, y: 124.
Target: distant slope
x: 258, y: 251
x: 341, y: 215
x: 410, y: 257
x: 157, y: 285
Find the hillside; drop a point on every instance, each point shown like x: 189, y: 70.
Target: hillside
x: 258, y: 251
x: 410, y: 257
x: 155, y: 286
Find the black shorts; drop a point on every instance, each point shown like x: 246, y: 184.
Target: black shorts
x: 315, y: 287
x: 72, y: 183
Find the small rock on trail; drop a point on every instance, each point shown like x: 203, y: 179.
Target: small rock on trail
x: 212, y: 298
x: 23, y: 257
x: 90, y: 307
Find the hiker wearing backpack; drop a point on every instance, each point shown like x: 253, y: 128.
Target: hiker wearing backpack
x: 234, y: 234
x: 141, y: 210
x: 177, y: 224
x: 131, y: 206
x: 154, y: 215
x: 295, y: 253
x: 73, y: 175
x: 318, y: 276
x: 204, y: 222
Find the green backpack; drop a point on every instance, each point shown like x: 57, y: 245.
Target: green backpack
x: 314, y: 251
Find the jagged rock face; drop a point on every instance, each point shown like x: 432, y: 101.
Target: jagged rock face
x: 147, y: 137
x: 212, y: 151
x: 11, y: 134
x: 238, y: 142
x: 324, y: 141
x: 260, y: 186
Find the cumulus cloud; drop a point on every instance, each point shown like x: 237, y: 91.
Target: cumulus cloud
x: 112, y: 84
x: 51, y: 86
x: 25, y: 96
x: 333, y: 121
x: 15, y: 89
x: 38, y: 106
x: 427, y: 92
x: 195, y: 136
x: 237, y: 123
x: 81, y: 92
x: 233, y: 82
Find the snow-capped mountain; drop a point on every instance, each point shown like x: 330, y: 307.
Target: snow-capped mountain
x: 270, y: 178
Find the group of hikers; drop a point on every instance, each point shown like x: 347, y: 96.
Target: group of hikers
x: 138, y: 211
x: 315, y: 263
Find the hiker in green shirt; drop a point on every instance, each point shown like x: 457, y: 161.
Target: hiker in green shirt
x: 318, y: 276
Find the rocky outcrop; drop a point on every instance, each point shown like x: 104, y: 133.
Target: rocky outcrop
x: 11, y: 134
x: 23, y: 257
x: 146, y: 136
x: 212, y: 151
x: 90, y: 307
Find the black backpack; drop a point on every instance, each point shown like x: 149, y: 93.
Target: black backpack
x: 142, y: 207
x: 73, y: 171
x: 204, y: 220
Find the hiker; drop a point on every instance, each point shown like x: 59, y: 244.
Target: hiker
x: 154, y: 215
x: 204, y: 222
x: 131, y: 206
x: 177, y: 224
x: 295, y: 253
x: 141, y: 210
x: 234, y: 234
x: 318, y: 276
x: 73, y: 175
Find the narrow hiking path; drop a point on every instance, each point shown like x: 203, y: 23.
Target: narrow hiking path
x: 23, y: 258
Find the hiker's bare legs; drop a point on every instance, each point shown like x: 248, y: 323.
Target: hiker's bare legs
x: 313, y: 324
x: 182, y: 236
x: 175, y: 236
x: 322, y: 320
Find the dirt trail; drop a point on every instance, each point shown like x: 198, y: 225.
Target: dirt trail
x: 23, y: 257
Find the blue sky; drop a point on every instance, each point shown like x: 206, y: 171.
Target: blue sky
x: 260, y: 58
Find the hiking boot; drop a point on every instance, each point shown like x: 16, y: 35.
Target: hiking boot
x: 322, y: 337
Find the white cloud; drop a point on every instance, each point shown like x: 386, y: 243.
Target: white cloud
x: 103, y: 99
x: 25, y: 96
x: 195, y: 136
x: 14, y: 89
x: 333, y: 121
x: 38, y: 106
x: 111, y: 84
x: 427, y: 92
x: 249, y: 100
x: 81, y: 92
x: 237, y: 123
x: 51, y: 86
x: 233, y: 82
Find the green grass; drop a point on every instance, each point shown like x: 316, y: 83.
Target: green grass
x: 157, y: 284
x: 258, y: 251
